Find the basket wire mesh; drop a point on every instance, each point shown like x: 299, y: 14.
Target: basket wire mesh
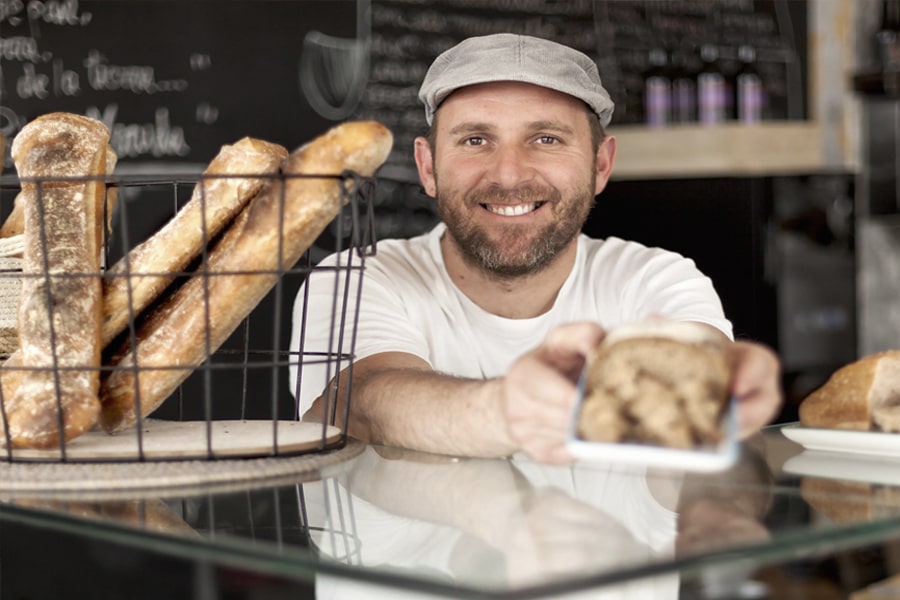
x: 244, y: 381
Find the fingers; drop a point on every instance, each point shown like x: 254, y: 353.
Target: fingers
x: 538, y: 405
x: 566, y: 347
x: 757, y: 385
x: 540, y: 391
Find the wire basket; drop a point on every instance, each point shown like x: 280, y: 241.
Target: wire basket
x: 239, y: 402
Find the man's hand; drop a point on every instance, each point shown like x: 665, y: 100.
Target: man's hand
x: 539, y: 391
x: 756, y: 383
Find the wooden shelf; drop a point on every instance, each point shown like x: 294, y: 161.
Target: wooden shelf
x: 728, y: 150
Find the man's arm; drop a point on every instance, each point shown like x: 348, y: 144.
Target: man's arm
x: 399, y: 400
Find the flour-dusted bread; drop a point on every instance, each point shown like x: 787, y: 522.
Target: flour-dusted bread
x: 864, y: 394
x: 271, y: 233
x: 657, y: 382
x: 231, y: 179
x: 62, y: 162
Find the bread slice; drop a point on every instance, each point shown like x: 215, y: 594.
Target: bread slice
x: 659, y: 382
x: 863, y: 395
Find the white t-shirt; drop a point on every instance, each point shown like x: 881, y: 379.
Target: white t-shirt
x: 408, y: 303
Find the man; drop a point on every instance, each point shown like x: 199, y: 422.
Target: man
x: 471, y: 337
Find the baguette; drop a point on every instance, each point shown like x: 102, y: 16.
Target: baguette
x: 59, y: 310
x: 12, y: 372
x: 286, y: 216
x: 864, y: 395
x: 14, y: 223
x: 215, y: 201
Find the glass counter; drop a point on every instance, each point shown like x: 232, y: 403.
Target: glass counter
x: 395, y: 524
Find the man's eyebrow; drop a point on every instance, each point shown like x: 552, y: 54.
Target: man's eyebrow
x: 551, y: 126
x: 478, y: 127
x: 470, y: 127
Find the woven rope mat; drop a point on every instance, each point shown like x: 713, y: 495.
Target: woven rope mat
x: 164, y: 478
x: 10, y: 287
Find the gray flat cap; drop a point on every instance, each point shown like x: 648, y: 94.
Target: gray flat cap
x: 510, y: 57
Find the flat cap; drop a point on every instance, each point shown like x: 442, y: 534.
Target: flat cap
x: 511, y: 57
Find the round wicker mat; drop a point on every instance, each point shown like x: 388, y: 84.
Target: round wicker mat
x: 164, y: 478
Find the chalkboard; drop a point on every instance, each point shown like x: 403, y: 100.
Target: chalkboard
x: 175, y: 79
x: 405, y: 36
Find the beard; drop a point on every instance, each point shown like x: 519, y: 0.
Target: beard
x: 515, y: 250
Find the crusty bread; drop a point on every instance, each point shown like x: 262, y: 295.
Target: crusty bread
x: 219, y: 195
x: 61, y: 159
x: 864, y: 394
x: 657, y: 382
x: 271, y: 233
x: 148, y: 514
x: 14, y: 224
x: 846, y: 501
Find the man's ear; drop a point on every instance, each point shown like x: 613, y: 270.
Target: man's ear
x: 606, y: 156
x: 425, y: 165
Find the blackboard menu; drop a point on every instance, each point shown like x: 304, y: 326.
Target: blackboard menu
x: 176, y: 79
x: 405, y: 36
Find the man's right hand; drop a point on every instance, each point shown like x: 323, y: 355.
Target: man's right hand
x: 539, y: 391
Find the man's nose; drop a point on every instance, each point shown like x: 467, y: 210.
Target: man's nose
x: 510, y: 165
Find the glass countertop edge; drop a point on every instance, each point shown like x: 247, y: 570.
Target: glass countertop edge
x: 291, y: 564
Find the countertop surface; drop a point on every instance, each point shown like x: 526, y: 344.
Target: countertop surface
x: 398, y: 523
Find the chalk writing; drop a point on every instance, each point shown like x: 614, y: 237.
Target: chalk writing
x: 133, y: 78
x: 20, y: 48
x: 48, y: 12
x: 57, y: 12
x: 158, y: 138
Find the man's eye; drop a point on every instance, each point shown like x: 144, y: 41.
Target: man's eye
x: 547, y: 139
x: 474, y: 141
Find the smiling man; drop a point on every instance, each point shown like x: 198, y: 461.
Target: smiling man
x: 470, y: 337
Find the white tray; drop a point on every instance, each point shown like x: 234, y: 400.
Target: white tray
x: 715, y: 458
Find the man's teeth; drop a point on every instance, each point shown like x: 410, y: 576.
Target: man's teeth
x: 507, y: 210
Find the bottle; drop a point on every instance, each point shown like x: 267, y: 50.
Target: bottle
x: 888, y: 35
x: 749, y: 92
x: 657, y: 90
x: 684, y: 89
x: 712, y: 88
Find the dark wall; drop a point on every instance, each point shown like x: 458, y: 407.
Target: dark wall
x: 175, y: 79
x: 720, y: 223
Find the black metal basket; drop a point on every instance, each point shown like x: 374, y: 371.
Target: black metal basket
x: 242, y: 388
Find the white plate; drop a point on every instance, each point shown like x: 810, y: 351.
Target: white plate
x: 714, y: 458
x: 844, y: 441
x: 847, y: 467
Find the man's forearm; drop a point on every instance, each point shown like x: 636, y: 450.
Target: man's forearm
x: 431, y: 412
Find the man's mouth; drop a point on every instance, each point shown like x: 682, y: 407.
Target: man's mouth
x: 512, y: 210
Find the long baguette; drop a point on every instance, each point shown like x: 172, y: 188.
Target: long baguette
x: 287, y: 216
x: 59, y: 311
x: 12, y: 373
x: 219, y: 195
x: 14, y: 224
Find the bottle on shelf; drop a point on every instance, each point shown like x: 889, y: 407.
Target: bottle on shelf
x: 712, y: 88
x: 657, y: 90
x: 684, y: 88
x: 749, y: 91
x: 888, y: 35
